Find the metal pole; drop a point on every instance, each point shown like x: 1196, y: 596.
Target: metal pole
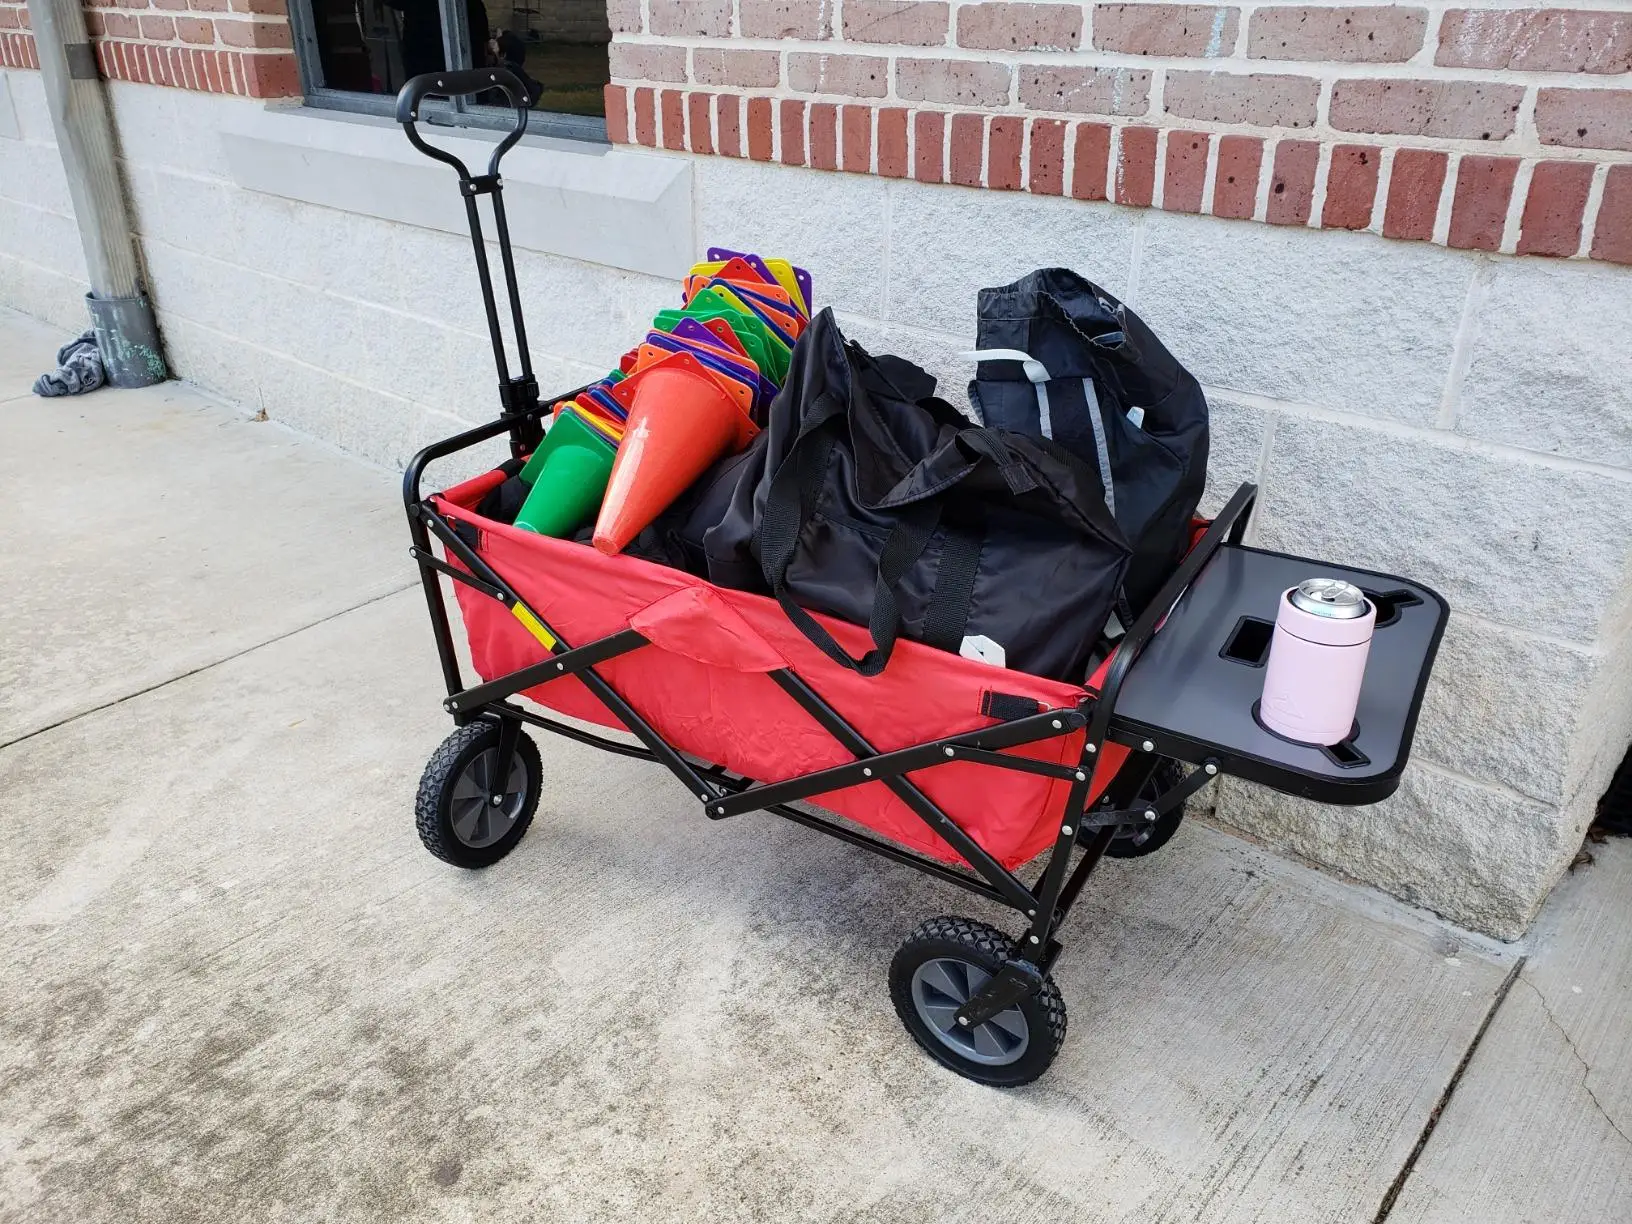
x: 126, y: 332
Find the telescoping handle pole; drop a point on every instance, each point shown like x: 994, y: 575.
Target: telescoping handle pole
x: 518, y: 394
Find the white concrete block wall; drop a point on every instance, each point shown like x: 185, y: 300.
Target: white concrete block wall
x: 1462, y: 418
x: 364, y: 332
x: 42, y: 268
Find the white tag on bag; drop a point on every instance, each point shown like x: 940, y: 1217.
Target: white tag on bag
x: 981, y: 647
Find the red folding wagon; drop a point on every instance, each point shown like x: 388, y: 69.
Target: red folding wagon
x: 1008, y: 785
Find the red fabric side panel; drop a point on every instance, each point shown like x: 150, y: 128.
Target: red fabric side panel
x: 699, y: 623
x: 741, y: 720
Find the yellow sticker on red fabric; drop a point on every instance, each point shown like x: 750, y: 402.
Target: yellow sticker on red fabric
x: 532, y: 625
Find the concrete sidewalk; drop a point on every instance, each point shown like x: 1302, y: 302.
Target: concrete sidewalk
x: 152, y: 534
x: 1539, y: 1128
x: 233, y: 986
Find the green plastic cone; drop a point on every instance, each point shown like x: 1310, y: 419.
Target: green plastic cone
x: 568, y: 472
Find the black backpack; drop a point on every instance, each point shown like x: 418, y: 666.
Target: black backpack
x: 1083, y: 370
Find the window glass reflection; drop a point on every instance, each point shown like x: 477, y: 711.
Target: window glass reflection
x: 556, y: 47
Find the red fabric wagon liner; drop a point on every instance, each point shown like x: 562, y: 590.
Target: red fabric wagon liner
x: 701, y: 684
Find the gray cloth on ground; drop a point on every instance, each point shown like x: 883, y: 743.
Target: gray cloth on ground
x: 79, y: 369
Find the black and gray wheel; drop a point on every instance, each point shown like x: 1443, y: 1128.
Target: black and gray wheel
x: 1147, y: 839
x: 935, y: 972
x: 458, y: 820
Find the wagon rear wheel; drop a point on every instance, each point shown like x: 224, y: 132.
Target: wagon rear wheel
x: 1139, y: 840
x: 465, y: 815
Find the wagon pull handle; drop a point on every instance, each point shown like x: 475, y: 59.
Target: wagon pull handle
x: 518, y: 396
x: 461, y: 83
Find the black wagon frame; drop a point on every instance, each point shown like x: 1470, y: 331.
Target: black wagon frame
x: 1129, y: 802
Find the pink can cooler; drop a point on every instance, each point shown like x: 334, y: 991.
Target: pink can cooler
x: 1317, y: 660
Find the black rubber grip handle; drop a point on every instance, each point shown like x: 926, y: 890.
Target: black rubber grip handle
x: 459, y: 83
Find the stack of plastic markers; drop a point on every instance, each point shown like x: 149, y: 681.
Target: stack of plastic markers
x: 694, y: 390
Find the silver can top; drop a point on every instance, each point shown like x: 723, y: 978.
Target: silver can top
x: 1330, y: 597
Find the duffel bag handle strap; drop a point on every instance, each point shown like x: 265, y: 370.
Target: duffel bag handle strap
x: 905, y: 545
x: 789, y: 501
x: 794, y: 487
x: 989, y: 445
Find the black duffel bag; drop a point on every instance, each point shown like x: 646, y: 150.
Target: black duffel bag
x: 1086, y: 372
x: 880, y: 504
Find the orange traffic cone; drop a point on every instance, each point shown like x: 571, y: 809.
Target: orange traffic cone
x: 681, y: 419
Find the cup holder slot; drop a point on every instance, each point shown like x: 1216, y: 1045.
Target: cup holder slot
x: 1390, y: 604
x: 1343, y: 754
x: 1248, y: 643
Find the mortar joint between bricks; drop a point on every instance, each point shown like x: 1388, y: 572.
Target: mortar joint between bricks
x: 1509, y: 241
x: 1589, y: 215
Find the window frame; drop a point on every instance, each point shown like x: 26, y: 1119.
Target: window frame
x: 453, y: 112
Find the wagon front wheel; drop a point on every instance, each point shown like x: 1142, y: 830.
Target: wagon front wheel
x: 937, y: 969
x: 466, y: 816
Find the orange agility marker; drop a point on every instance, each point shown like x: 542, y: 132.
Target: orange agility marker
x: 681, y: 419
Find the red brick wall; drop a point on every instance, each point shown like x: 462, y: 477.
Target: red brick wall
x: 218, y: 46
x: 1477, y: 126
x: 16, y: 43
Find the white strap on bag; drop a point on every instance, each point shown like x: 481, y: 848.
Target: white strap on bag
x: 1036, y: 373
x: 1101, y: 448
